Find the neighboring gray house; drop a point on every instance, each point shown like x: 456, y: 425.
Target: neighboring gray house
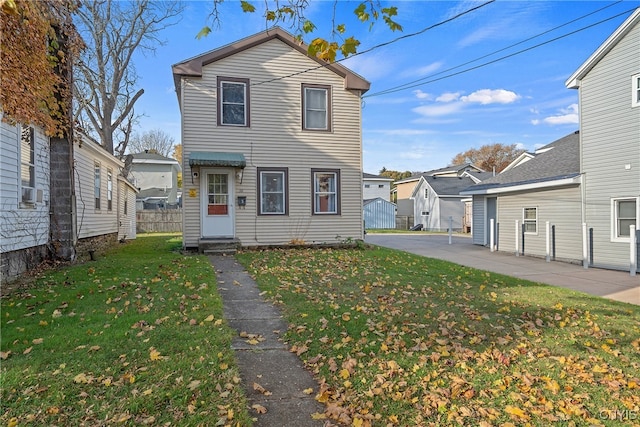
x: 544, y: 188
x: 609, y: 93
x: 438, y: 203
x: 376, y: 186
x: 379, y: 214
x: 156, y: 176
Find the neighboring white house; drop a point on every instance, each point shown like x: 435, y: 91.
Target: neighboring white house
x: 156, y: 177
x: 525, y: 195
x: 376, y: 186
x: 438, y: 204
x: 608, y: 84
x: 24, y: 195
x: 102, y: 194
x: 272, y: 145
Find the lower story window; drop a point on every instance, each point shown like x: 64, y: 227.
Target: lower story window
x: 326, y: 192
x: 625, y: 212
x: 530, y: 220
x: 272, y: 191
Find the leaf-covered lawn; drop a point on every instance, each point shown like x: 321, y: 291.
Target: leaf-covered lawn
x: 135, y: 338
x: 397, y: 339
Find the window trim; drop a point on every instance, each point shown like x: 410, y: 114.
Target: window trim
x: 31, y: 165
x: 97, y: 184
x: 635, y: 90
x: 328, y: 112
x: 219, y: 115
x: 338, y: 191
x: 285, y: 190
x: 109, y: 189
x: 615, y: 232
x: 528, y: 221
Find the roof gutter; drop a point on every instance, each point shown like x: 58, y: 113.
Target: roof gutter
x: 524, y: 187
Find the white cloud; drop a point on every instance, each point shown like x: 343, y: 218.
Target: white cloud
x: 420, y: 71
x: 421, y: 95
x: 535, y: 122
x: 491, y: 96
x: 520, y: 146
x: 448, y: 97
x: 438, y: 110
x: 567, y: 115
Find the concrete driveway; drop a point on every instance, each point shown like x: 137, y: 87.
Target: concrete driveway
x: 615, y: 285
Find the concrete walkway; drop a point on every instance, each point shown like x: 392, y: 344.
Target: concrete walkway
x: 272, y: 376
x: 615, y: 285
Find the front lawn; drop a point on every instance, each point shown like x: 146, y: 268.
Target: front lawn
x: 398, y: 339
x: 134, y: 338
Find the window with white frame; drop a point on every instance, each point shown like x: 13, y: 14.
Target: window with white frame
x: 530, y: 220
x: 109, y: 189
x: 272, y: 191
x: 96, y: 184
x: 27, y: 164
x: 326, y: 196
x: 625, y: 214
x: 635, y: 90
x: 316, y: 111
x: 233, y: 105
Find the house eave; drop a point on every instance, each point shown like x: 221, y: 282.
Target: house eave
x: 575, y: 180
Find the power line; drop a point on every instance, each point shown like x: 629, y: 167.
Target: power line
x: 426, y: 80
x: 495, y: 52
x: 381, y: 44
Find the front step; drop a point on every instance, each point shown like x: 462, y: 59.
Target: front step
x: 218, y: 246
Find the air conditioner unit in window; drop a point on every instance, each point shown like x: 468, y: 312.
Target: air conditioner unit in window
x: 28, y: 195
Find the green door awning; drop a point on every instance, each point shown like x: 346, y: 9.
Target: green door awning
x: 212, y: 158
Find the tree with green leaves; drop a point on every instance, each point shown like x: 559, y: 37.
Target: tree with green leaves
x: 292, y: 13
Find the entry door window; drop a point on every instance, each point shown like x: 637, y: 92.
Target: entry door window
x: 218, y: 193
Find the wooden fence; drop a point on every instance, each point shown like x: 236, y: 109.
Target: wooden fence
x: 160, y: 220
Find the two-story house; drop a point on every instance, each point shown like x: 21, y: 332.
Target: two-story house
x: 608, y: 84
x: 272, y: 145
x: 156, y: 176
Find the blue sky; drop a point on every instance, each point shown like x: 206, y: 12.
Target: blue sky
x: 521, y: 99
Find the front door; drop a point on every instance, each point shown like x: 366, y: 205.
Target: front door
x: 217, y: 203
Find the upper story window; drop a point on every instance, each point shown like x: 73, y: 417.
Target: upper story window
x: 530, y: 220
x: 316, y: 110
x: 272, y: 184
x: 635, y: 90
x: 96, y: 184
x: 27, y: 164
x: 326, y: 192
x: 233, y: 101
x: 624, y: 214
x: 109, y: 189
x: 426, y: 193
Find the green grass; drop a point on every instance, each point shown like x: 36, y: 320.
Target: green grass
x: 134, y: 338
x: 397, y: 339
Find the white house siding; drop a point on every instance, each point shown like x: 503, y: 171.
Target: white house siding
x: 275, y: 139
x: 561, y: 207
x: 610, y: 137
x: 157, y: 175
x: 374, y: 191
x: 451, y: 207
x: 127, y: 220
x: 22, y: 226
x: 90, y: 221
x: 479, y: 214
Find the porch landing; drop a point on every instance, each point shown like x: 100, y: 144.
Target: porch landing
x: 218, y: 246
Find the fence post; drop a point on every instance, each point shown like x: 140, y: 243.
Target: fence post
x: 548, y: 241
x: 491, y: 234
x: 450, y: 228
x: 517, y: 234
x: 553, y: 242
x: 585, y: 248
x: 632, y: 250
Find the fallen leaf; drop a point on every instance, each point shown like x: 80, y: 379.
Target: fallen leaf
x: 193, y: 385
x: 4, y: 355
x: 259, y: 408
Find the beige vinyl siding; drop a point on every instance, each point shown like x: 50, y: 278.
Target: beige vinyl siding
x: 275, y: 139
x: 90, y: 221
x: 561, y: 207
x: 610, y: 133
x: 22, y: 226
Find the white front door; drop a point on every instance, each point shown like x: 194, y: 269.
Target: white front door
x: 216, y: 201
